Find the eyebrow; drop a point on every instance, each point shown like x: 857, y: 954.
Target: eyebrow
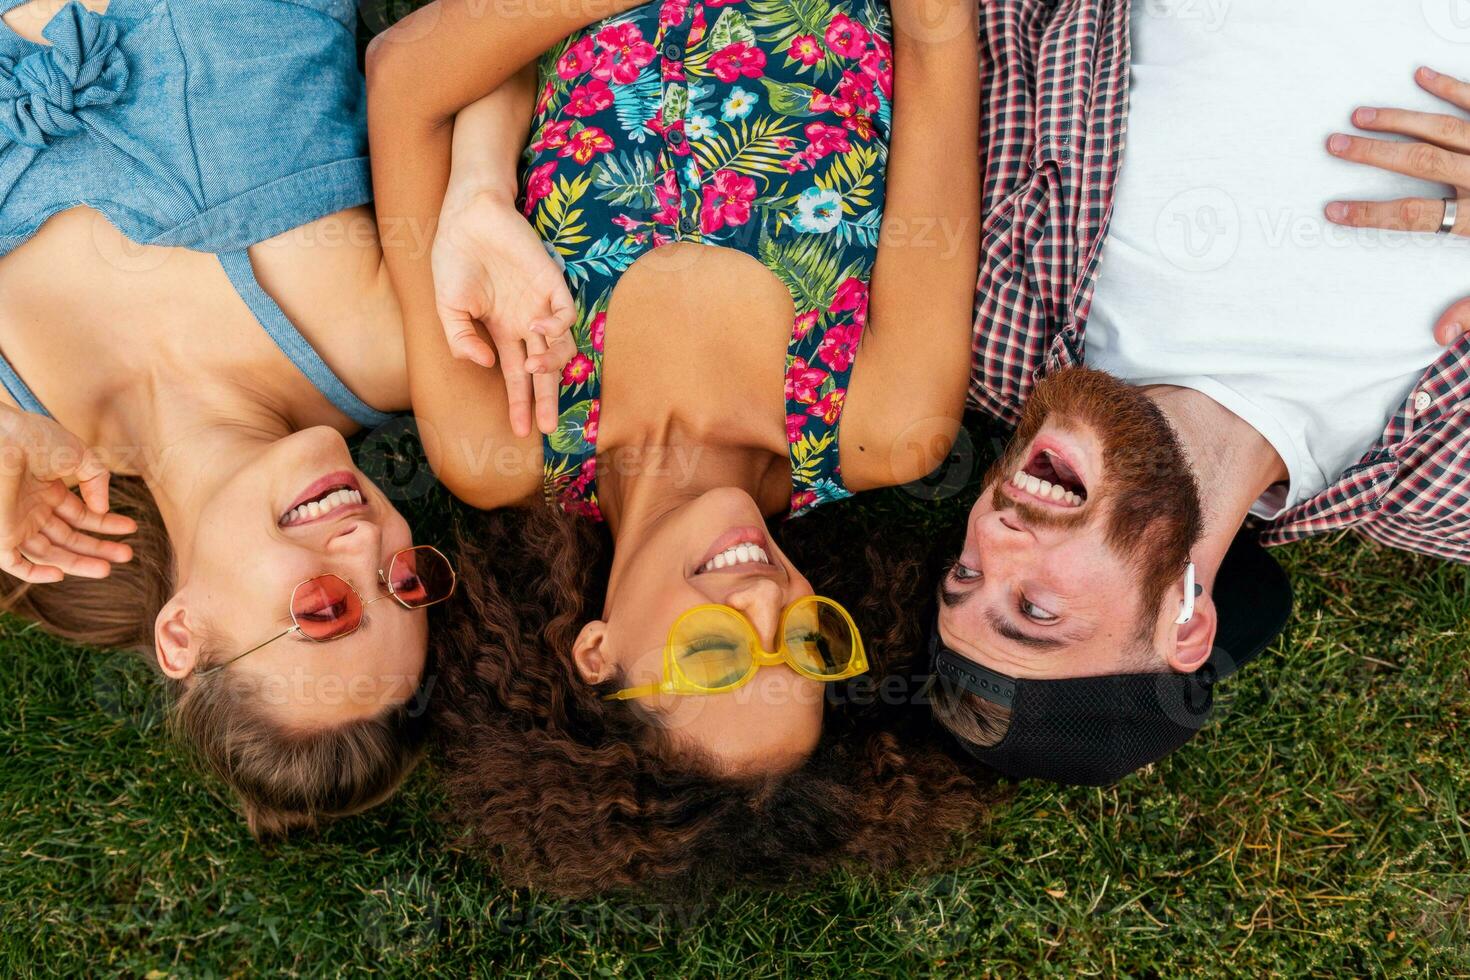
x: 1002, y: 627
x: 1010, y: 632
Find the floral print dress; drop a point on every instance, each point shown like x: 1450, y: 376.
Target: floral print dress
x: 757, y: 125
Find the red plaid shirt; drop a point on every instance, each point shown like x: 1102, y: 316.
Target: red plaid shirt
x: 1054, y: 84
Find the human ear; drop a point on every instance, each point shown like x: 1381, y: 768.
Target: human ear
x: 1194, y: 641
x: 175, y: 642
x: 588, y: 653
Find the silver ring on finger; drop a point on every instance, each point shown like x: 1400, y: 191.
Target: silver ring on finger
x: 1451, y: 216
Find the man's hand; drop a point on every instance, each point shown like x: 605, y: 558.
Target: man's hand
x: 46, y: 531
x: 1440, y: 153
x: 491, y: 270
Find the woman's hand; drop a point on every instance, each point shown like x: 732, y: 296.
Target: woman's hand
x: 491, y: 270
x: 1440, y: 153
x: 46, y: 531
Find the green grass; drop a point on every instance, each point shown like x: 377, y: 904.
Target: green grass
x: 1321, y: 825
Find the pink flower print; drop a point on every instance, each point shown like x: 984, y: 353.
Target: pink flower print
x: 852, y: 294
x: 839, y: 347
x: 803, y: 500
x: 861, y: 125
x: 666, y: 192
x: 806, y: 49
x: 697, y: 26
x: 784, y: 143
x: 589, y: 428
x: 586, y: 144
x: 673, y: 71
x: 596, y: 331
x: 553, y: 136
x: 538, y: 185
x: 623, y: 54
x: 719, y: 3
x: 627, y: 223
x: 672, y: 12
x: 825, y: 140
x: 802, y: 381
x: 794, y: 426
x: 544, y: 99
x: 804, y: 324
x: 829, y: 409
x: 576, y: 59
x: 736, y: 60
x: 857, y: 91
x: 877, y: 64
x: 588, y: 99
x: 578, y: 370
x: 727, y: 197
x: 846, y: 37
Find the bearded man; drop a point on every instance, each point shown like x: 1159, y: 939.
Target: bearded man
x: 1202, y: 351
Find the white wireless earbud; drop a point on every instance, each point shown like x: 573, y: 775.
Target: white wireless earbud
x: 1191, y: 591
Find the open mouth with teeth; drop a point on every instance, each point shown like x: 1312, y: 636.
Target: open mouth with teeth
x: 740, y: 554
x: 323, y: 502
x: 741, y: 548
x: 1052, y: 479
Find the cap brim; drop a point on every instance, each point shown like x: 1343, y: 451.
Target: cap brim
x: 1253, y: 603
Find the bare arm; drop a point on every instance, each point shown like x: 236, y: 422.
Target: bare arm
x: 461, y: 407
x: 908, y: 388
x: 421, y: 74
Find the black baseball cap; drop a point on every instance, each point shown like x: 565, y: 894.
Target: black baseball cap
x: 1093, y: 731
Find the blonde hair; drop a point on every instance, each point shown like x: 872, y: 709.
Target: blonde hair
x: 284, y: 780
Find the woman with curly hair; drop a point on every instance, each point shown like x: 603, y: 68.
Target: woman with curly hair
x: 562, y: 790
x: 709, y: 191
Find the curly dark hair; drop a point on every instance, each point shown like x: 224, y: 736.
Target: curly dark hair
x: 562, y: 791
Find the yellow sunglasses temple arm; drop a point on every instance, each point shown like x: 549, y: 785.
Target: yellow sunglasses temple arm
x: 631, y: 693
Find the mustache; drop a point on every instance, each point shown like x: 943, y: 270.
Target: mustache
x: 1002, y: 502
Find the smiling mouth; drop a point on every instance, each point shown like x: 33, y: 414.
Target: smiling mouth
x: 323, y: 499
x: 1051, y: 479
x: 741, y: 554
x: 742, y: 548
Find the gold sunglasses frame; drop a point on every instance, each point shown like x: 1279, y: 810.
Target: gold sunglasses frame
x: 382, y: 580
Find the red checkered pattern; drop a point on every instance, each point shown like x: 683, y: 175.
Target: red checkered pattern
x: 1054, y: 84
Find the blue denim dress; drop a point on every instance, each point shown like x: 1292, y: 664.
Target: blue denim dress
x: 203, y: 124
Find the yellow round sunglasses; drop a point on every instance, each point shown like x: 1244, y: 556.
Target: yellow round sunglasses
x: 714, y: 648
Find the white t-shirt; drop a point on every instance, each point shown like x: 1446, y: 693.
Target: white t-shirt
x: 1221, y: 274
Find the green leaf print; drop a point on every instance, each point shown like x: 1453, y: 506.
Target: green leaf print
x: 781, y: 20
x: 570, y: 438
x: 749, y: 148
x: 556, y: 221
x: 676, y: 103
x: 789, y: 98
x: 731, y: 28
x: 627, y: 179
x: 807, y: 266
